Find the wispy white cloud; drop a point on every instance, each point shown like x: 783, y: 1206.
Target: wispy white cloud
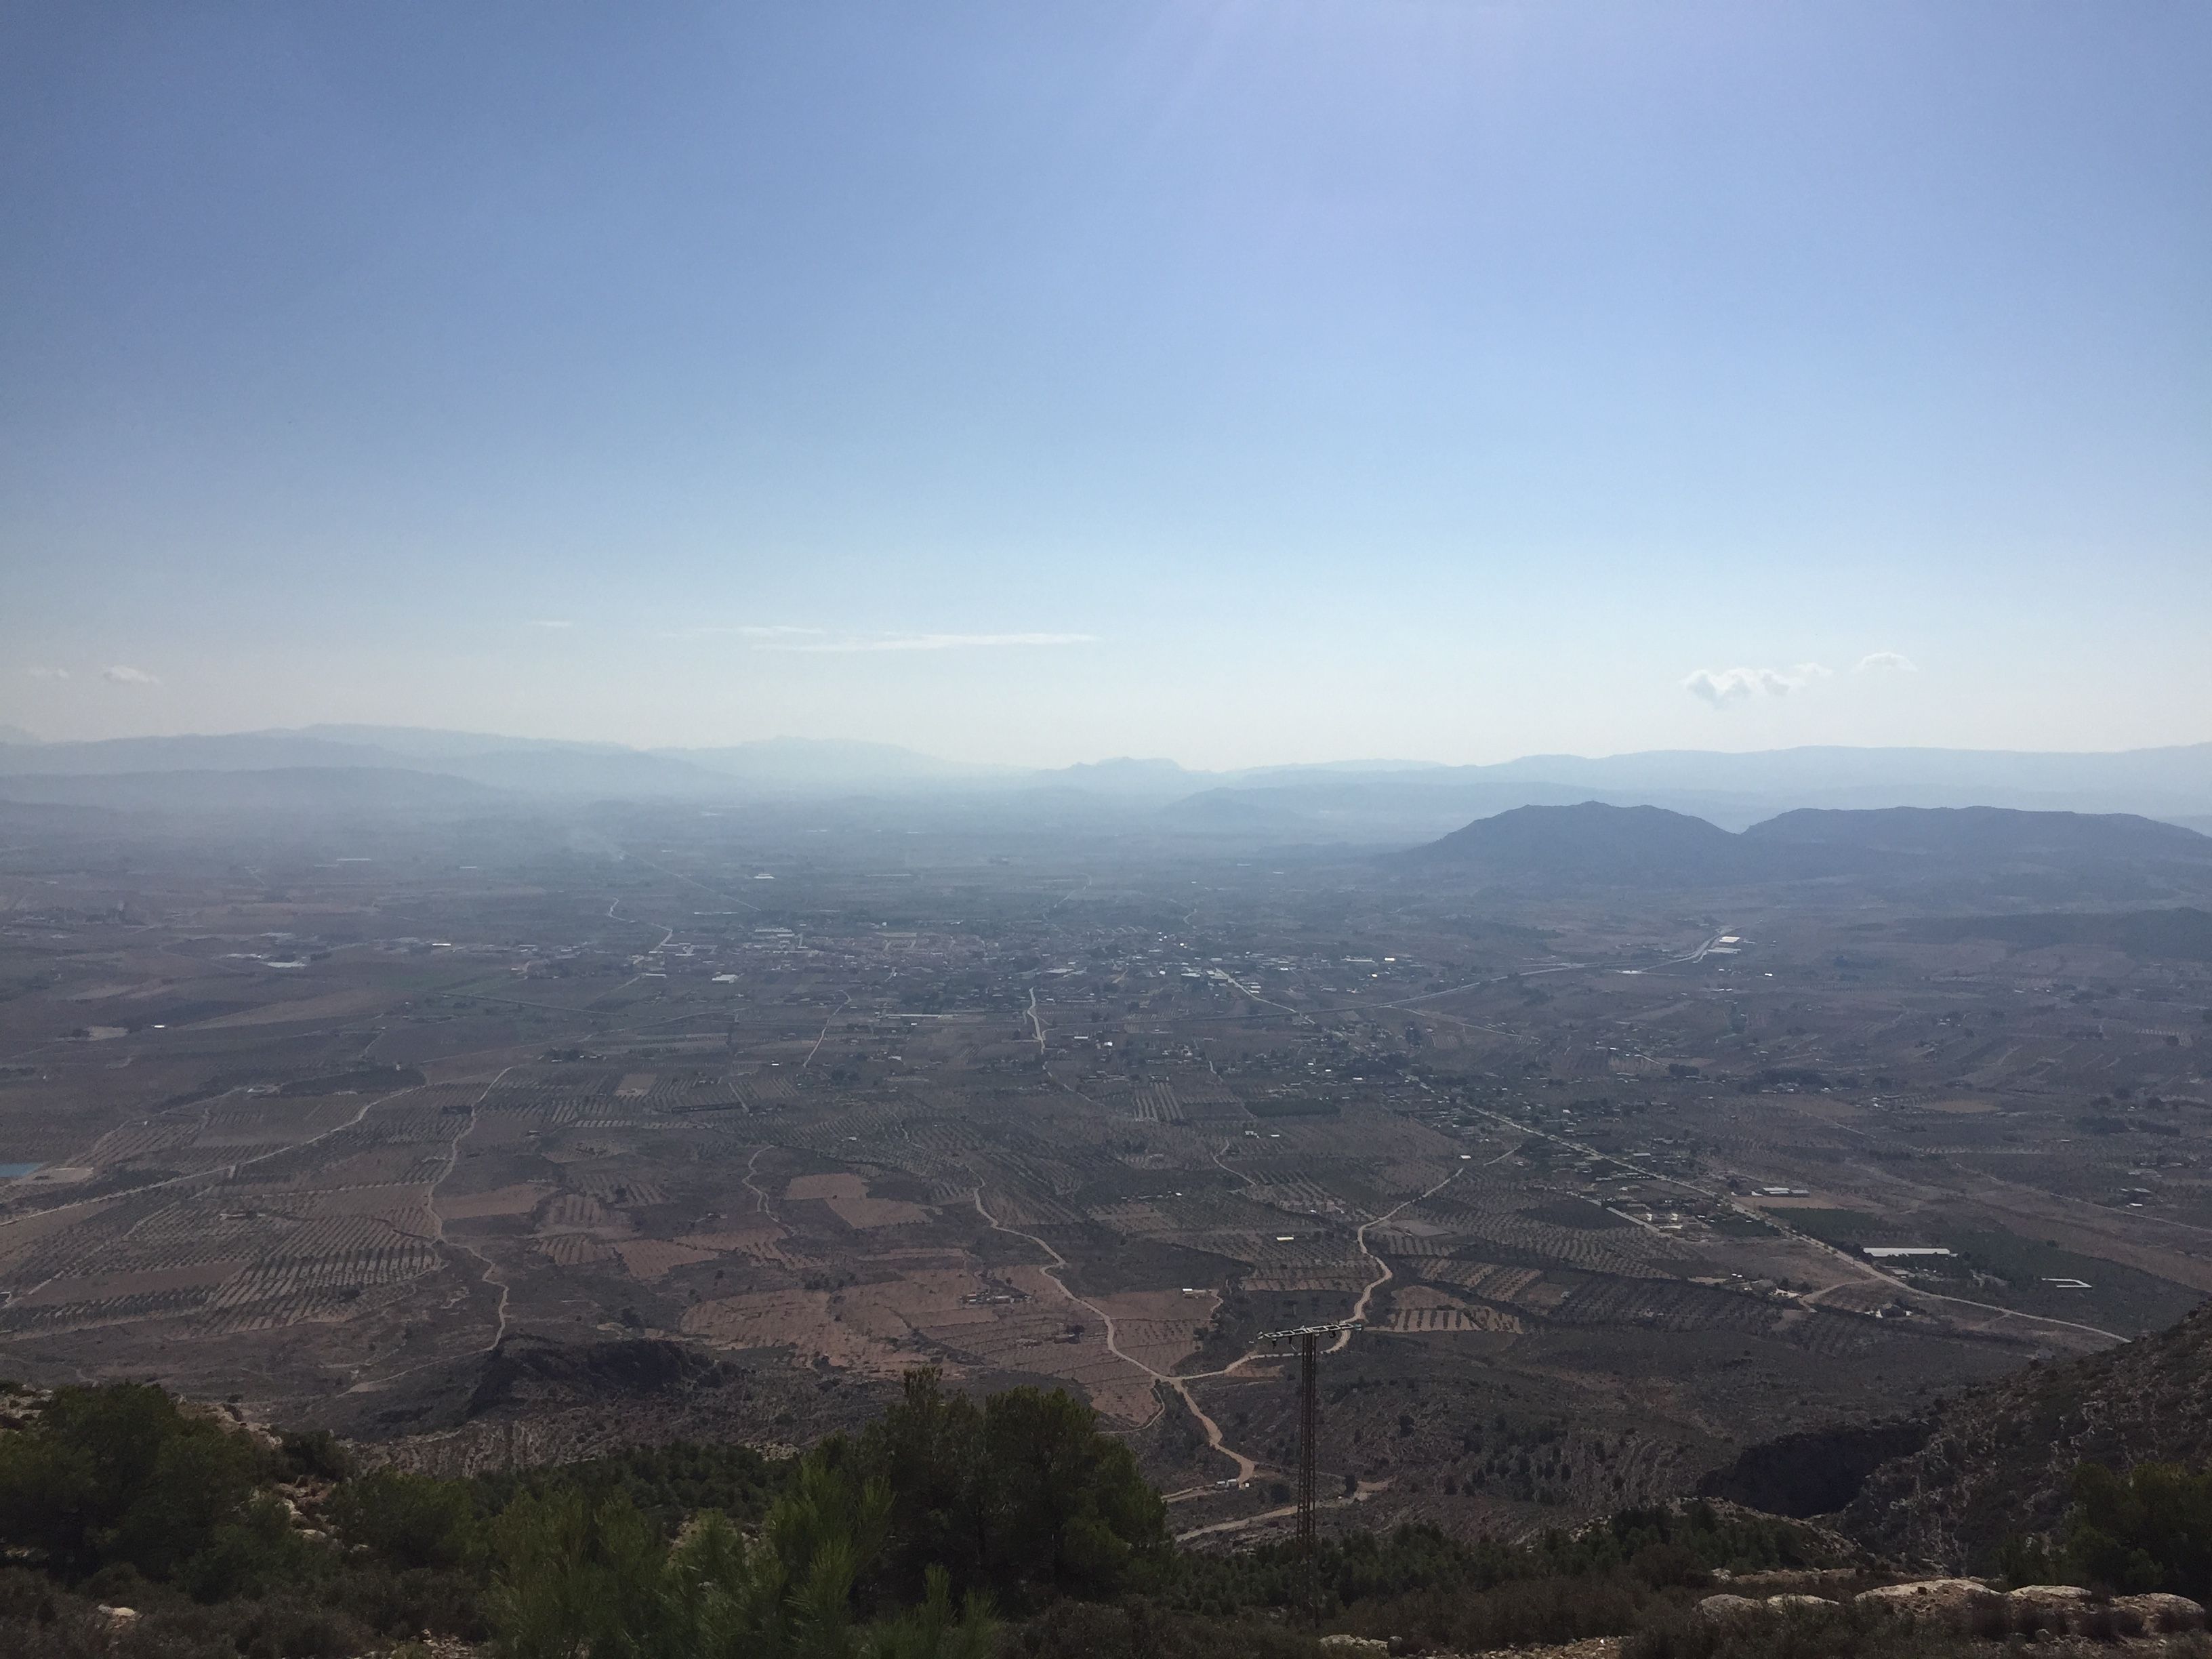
x: 47, y: 673
x: 846, y: 642
x: 1722, y: 686
x: 1895, y: 662
x: 121, y: 674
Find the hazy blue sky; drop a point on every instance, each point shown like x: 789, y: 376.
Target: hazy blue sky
x: 1240, y: 382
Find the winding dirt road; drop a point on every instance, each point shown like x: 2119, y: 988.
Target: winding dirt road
x: 1245, y: 1466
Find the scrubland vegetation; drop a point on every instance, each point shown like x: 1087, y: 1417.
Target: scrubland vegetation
x: 948, y: 1528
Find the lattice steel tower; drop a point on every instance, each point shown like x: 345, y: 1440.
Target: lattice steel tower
x: 1308, y: 1338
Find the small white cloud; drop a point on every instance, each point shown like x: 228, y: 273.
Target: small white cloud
x: 47, y: 673
x: 121, y: 675
x: 1720, y: 687
x: 546, y: 622
x: 1894, y: 662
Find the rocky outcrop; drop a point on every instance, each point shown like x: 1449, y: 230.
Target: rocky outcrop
x: 1968, y: 1606
x: 1999, y: 1457
x: 1950, y: 1602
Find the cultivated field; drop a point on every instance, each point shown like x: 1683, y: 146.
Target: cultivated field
x: 334, y: 1135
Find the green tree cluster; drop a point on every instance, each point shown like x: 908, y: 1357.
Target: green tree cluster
x: 892, y: 1545
x: 120, y: 1477
x: 1020, y: 1498
x: 898, y: 1542
x: 584, y: 1578
x: 895, y: 1544
x: 2148, y: 1529
x: 411, y: 1520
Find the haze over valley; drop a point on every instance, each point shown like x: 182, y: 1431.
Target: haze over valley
x: 1129, y: 829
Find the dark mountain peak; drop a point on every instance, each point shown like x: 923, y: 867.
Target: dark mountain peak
x: 1588, y: 841
x: 2057, y: 854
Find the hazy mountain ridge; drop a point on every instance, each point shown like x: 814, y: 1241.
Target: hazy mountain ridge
x: 802, y: 762
x: 275, y: 789
x: 1981, y: 831
x: 1737, y: 790
x: 1375, y: 802
x: 1596, y: 843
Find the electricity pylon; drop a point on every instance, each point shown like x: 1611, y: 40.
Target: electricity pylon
x: 1308, y: 1337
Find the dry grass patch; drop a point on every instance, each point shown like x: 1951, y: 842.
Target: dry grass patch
x: 846, y: 1196
x: 100, y: 1287
x: 799, y: 1320
x: 576, y: 1250
x: 579, y: 1211
x: 1159, y: 1327
x: 1418, y: 1307
x: 761, y: 1243
x: 650, y: 1258
x: 335, y: 1005
x: 518, y: 1199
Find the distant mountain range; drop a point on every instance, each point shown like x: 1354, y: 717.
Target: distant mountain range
x: 1733, y: 790
x: 1356, y: 802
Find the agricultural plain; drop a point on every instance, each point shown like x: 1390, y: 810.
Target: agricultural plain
x: 403, y: 1128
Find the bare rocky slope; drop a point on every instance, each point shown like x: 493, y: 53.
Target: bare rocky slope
x: 1998, y: 1458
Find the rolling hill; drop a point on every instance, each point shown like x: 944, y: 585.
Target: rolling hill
x: 1647, y: 846
x: 1990, y: 834
x: 1613, y: 846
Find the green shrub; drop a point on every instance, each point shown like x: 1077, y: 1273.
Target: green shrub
x: 120, y: 1474
x: 316, y: 1454
x: 411, y: 1520
x: 666, y: 1484
x: 2150, y: 1529
x: 574, y: 1577
x: 1022, y: 1498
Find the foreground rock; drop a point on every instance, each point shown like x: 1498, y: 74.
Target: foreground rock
x: 2162, y: 1615
x: 1970, y: 1606
x: 1949, y: 1602
x: 1729, y: 1609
